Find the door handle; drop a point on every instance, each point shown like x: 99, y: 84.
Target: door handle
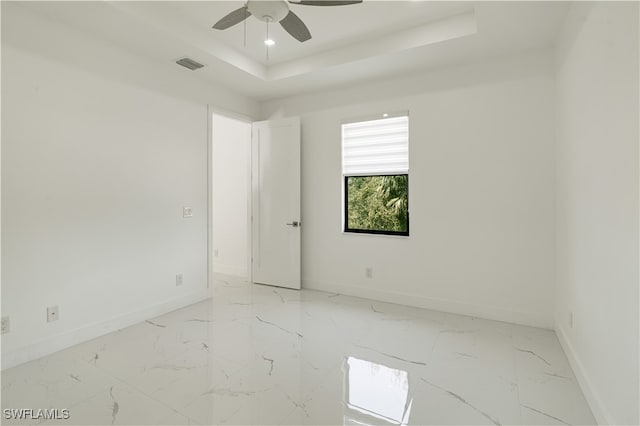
x: 295, y: 224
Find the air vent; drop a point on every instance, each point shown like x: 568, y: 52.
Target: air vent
x: 189, y: 63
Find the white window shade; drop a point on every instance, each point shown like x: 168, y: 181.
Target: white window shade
x: 376, y: 147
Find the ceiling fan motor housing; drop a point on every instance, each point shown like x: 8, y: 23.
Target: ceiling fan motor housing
x: 268, y: 11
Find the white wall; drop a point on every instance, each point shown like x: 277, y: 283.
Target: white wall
x: 481, y: 191
x: 101, y: 150
x: 597, y: 204
x: 230, y: 188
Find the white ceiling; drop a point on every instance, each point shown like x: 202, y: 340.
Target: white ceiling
x: 331, y: 27
x: 352, y: 43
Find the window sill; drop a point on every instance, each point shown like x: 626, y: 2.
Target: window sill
x: 366, y: 234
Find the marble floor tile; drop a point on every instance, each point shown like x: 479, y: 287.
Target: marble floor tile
x: 255, y: 354
x: 121, y: 405
x: 55, y: 381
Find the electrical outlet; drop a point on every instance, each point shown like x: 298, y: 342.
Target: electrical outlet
x: 215, y: 252
x: 187, y: 212
x: 570, y: 319
x: 178, y: 280
x: 5, y: 325
x: 52, y: 313
x: 368, y: 272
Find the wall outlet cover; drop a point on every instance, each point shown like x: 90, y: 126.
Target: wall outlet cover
x: 179, y: 280
x: 570, y: 319
x: 368, y: 272
x: 52, y: 313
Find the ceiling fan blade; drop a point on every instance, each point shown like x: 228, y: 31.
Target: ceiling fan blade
x: 233, y: 18
x: 294, y: 26
x: 325, y: 2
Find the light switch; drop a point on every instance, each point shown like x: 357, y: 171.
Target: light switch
x: 187, y: 212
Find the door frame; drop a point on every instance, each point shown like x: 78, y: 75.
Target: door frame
x: 211, y: 109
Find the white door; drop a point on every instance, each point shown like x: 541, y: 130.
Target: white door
x: 275, y: 203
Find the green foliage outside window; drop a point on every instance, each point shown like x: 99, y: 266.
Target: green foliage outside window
x: 378, y: 204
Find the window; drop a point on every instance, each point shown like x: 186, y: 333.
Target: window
x: 375, y: 170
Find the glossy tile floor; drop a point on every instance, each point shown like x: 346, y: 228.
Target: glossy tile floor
x: 264, y: 355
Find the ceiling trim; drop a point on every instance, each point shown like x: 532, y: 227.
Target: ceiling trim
x: 446, y: 29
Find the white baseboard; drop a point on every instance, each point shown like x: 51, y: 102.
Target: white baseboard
x: 229, y: 270
x: 91, y: 331
x: 451, y: 306
x: 603, y: 417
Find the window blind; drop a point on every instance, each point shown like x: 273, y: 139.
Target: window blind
x: 376, y: 147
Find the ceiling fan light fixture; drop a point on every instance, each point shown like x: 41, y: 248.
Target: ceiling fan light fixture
x: 277, y: 11
x: 269, y: 42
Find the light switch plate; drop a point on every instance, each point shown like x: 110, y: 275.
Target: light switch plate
x: 6, y: 325
x: 187, y: 212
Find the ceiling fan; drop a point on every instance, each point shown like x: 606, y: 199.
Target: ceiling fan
x: 278, y: 11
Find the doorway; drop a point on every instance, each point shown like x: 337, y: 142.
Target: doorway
x: 255, y: 222
x: 230, y: 196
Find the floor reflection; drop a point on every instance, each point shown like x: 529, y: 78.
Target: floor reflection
x: 375, y: 394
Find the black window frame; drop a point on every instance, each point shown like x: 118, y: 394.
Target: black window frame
x: 372, y: 231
